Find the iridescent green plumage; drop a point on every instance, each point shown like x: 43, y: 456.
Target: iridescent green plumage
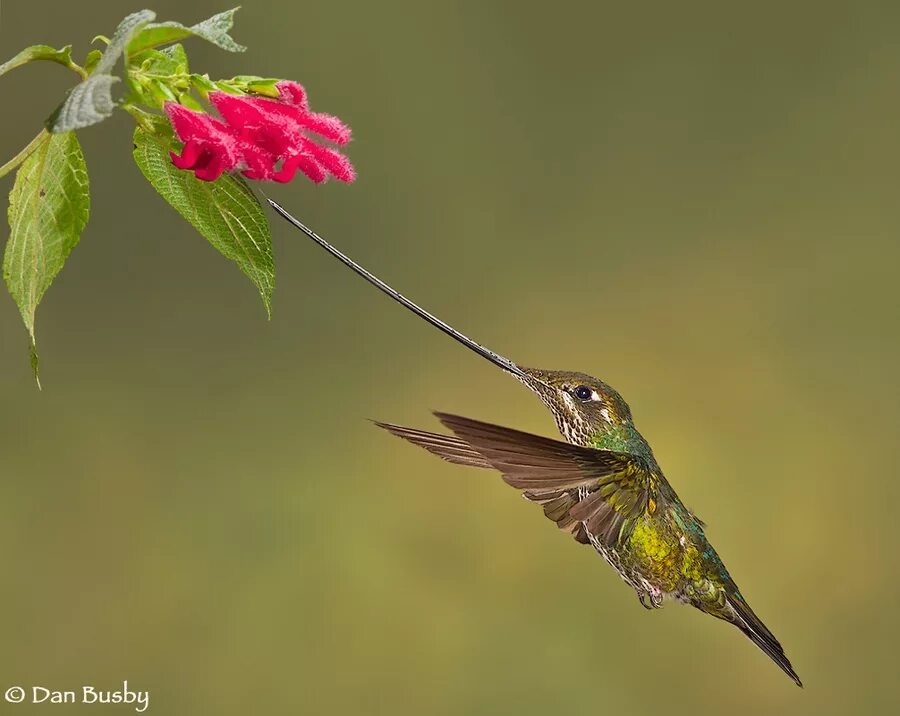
x: 617, y: 501
x: 603, y: 485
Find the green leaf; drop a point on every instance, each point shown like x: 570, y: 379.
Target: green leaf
x: 166, y: 62
x: 161, y: 93
x: 156, y: 34
x: 228, y: 88
x: 177, y: 54
x: 265, y: 88
x: 39, y: 52
x: 159, y: 127
x: 225, y: 212
x: 159, y: 76
x: 48, y: 208
x: 121, y: 37
x: 187, y: 99
x: 203, y: 84
x: 91, y: 101
x: 91, y: 60
x: 157, y: 62
x: 258, y: 85
x: 214, y: 30
x: 87, y: 103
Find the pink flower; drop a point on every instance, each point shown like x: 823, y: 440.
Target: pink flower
x: 265, y: 139
x: 210, y: 147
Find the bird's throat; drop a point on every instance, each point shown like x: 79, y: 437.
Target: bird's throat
x: 623, y: 438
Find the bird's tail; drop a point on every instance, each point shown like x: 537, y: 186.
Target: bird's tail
x: 745, y: 620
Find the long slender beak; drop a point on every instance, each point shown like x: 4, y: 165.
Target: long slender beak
x: 495, y: 358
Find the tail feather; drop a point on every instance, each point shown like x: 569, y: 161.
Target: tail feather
x: 758, y: 633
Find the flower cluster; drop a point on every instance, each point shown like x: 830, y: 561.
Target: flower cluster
x: 265, y: 139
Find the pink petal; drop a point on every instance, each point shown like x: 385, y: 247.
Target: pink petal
x: 257, y: 133
x: 335, y: 162
x: 189, y: 124
x: 260, y: 163
x: 293, y: 119
x: 306, y: 164
x: 236, y: 110
x: 212, y: 171
x: 273, y: 138
x: 328, y: 126
x: 189, y: 155
x: 208, y: 166
x: 292, y: 93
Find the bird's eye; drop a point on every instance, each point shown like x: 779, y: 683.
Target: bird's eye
x: 583, y: 392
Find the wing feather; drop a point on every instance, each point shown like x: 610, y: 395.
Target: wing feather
x: 585, y: 491
x: 447, y: 447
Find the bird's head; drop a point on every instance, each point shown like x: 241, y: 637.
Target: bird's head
x: 583, y: 406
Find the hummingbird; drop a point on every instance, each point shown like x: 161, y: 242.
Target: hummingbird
x: 602, y: 484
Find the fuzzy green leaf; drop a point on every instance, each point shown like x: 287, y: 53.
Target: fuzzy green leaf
x: 159, y: 63
x: 214, y: 29
x: 121, y: 37
x: 48, y: 208
x: 39, y: 52
x: 225, y: 212
x: 87, y: 103
x: 91, y: 101
x: 177, y: 54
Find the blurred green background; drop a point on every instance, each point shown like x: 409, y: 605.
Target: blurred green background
x: 697, y: 202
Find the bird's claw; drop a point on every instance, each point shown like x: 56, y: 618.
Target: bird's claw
x: 651, y: 599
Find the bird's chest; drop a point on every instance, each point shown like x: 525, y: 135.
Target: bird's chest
x: 623, y: 566
x: 657, y: 550
x: 651, y: 558
x: 620, y: 560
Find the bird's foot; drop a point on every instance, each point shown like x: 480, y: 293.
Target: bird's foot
x: 651, y: 599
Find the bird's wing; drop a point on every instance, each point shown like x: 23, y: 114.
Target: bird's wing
x: 446, y: 447
x: 589, y: 492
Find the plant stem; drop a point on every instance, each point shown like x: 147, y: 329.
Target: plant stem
x: 139, y: 116
x: 78, y: 69
x: 24, y: 154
